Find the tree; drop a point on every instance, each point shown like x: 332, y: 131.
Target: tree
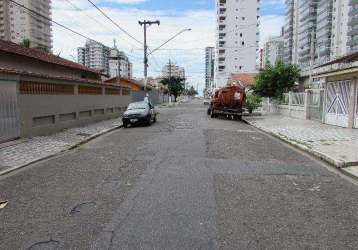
x: 275, y: 80
x: 252, y: 102
x: 175, y: 85
x: 25, y: 43
x: 191, y: 91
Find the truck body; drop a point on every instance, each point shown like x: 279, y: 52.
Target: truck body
x: 229, y: 101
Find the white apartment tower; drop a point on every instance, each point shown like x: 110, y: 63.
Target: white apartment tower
x: 17, y: 24
x: 273, y: 50
x: 119, y: 64
x: 352, y: 42
x: 209, y: 69
x: 94, y: 55
x: 316, y: 31
x: 237, y: 45
x: 291, y: 32
x: 173, y: 70
x: 332, y: 29
x: 4, y: 21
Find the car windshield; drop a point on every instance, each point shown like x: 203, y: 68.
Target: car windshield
x: 137, y: 105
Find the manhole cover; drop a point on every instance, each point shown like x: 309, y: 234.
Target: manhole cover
x: 83, y: 208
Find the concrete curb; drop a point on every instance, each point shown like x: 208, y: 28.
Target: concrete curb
x: 353, y: 174
x: 71, y: 147
x: 338, y: 164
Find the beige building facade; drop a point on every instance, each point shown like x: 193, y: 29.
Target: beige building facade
x: 17, y: 23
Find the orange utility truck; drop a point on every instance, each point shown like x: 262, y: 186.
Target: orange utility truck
x: 228, y: 101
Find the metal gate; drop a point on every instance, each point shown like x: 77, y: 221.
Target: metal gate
x: 9, y: 116
x: 315, y: 104
x: 337, y: 103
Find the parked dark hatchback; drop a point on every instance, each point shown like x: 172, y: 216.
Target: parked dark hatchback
x: 139, y: 112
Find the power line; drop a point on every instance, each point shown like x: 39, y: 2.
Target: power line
x: 49, y: 19
x: 93, y: 19
x: 32, y: 12
x: 116, y: 24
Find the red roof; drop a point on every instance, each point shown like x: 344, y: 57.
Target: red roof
x: 14, y: 48
x: 244, y: 78
x: 80, y: 80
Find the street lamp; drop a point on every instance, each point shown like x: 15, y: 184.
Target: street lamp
x: 152, y: 51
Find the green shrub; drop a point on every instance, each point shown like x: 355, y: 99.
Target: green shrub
x: 252, y: 102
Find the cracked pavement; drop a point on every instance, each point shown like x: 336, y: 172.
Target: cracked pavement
x: 187, y: 182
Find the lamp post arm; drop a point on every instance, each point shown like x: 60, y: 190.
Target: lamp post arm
x: 168, y: 41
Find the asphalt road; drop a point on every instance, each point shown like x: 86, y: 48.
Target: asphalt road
x: 187, y: 182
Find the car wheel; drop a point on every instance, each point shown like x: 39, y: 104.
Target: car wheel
x: 212, y: 113
x: 125, y: 125
x: 149, y: 121
x: 155, y: 119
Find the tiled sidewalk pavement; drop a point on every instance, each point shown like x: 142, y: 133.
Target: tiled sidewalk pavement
x: 40, y: 147
x: 339, y: 146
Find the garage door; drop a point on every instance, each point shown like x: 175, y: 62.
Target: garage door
x: 337, y: 103
x: 9, y: 117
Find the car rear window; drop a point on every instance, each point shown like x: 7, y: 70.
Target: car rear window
x: 138, y: 105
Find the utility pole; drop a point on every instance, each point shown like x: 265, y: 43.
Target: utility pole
x: 312, y: 55
x: 170, y: 69
x: 144, y: 24
x: 170, y: 79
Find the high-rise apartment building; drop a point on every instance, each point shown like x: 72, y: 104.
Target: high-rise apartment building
x: 119, y: 64
x: 94, y: 55
x: 307, y: 32
x: 291, y: 32
x: 237, y: 45
x: 353, y: 26
x: 173, y: 70
x: 4, y: 21
x: 332, y: 28
x: 273, y: 50
x: 209, y: 69
x: 316, y: 31
x: 17, y: 24
x: 109, y: 61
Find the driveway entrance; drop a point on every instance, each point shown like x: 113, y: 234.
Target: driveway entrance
x: 337, y: 103
x: 9, y: 116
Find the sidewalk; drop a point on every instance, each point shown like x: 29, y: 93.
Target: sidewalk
x: 21, y: 153
x: 338, y: 146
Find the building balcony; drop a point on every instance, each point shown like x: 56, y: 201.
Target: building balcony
x: 222, y: 3
x: 353, y: 32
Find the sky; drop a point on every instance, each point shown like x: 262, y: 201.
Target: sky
x: 187, y: 50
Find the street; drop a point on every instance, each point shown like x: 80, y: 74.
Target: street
x: 186, y: 182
